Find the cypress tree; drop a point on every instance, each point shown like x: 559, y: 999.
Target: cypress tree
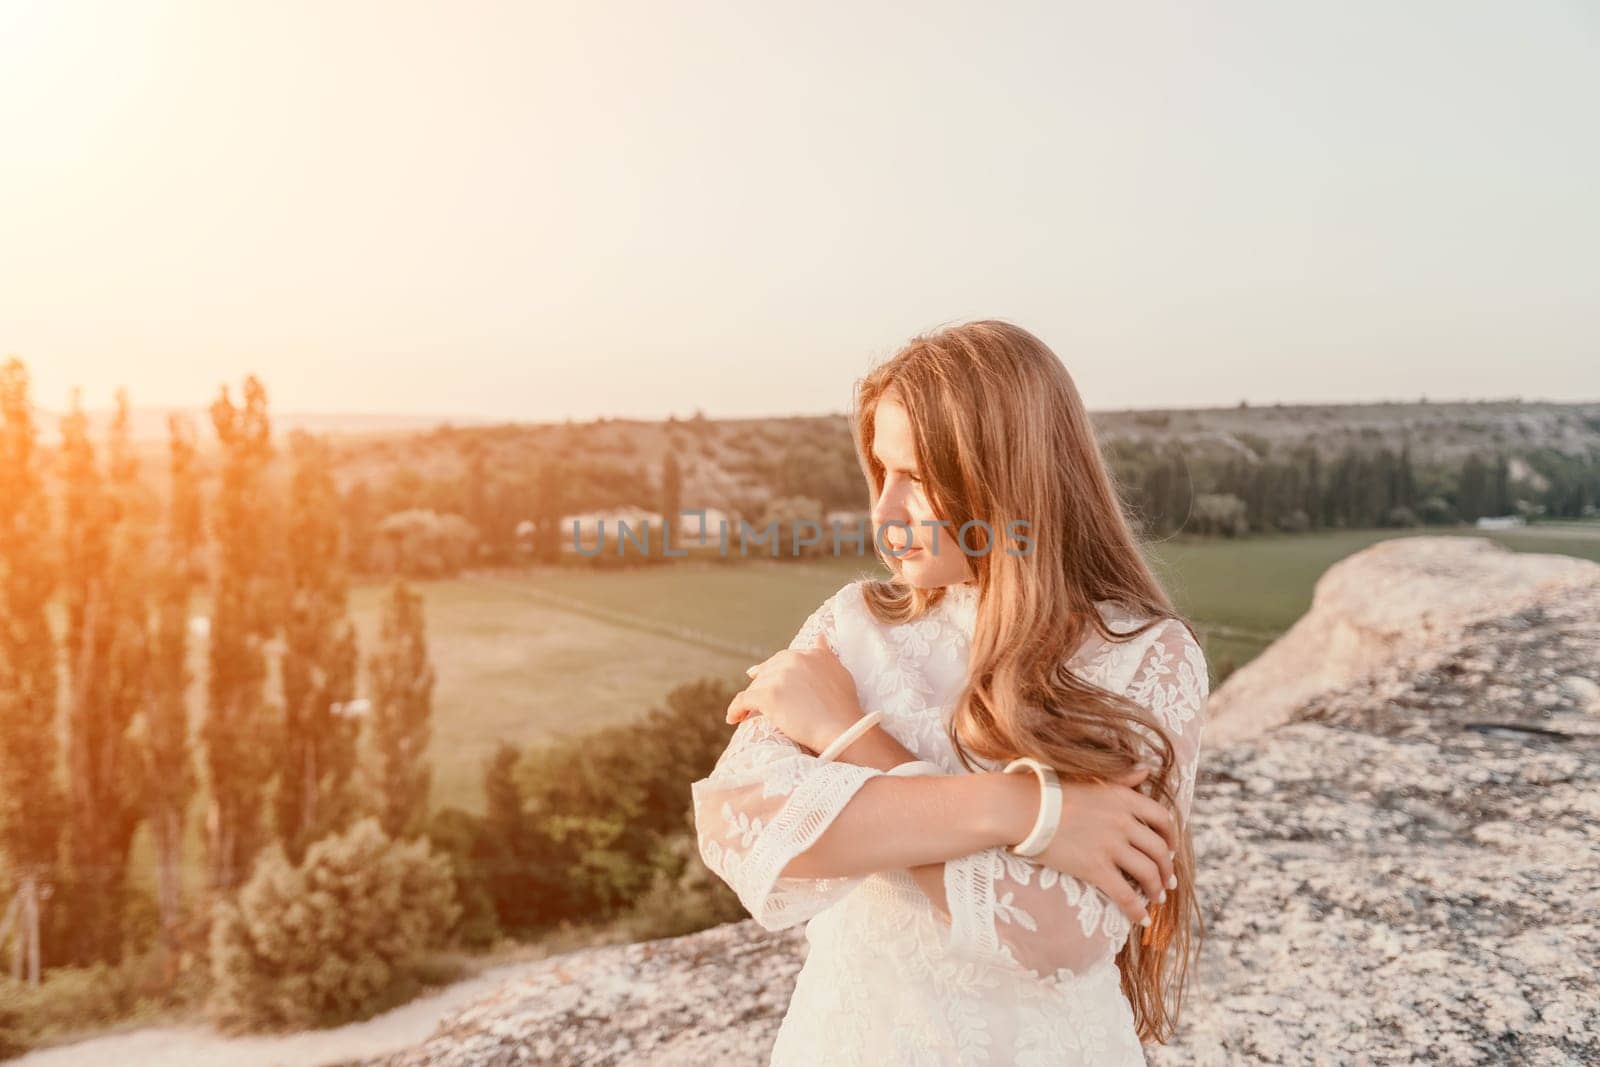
x: 32, y: 808
x: 318, y: 737
x: 1472, y: 491
x: 672, y: 491
x: 402, y: 711
x: 105, y: 544
x: 239, y: 733
x: 166, y: 751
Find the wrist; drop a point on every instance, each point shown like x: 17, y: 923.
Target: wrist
x: 876, y: 748
x: 1012, y: 806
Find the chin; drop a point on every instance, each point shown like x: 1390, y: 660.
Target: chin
x: 925, y: 572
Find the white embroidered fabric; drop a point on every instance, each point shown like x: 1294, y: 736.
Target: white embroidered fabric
x: 1024, y: 971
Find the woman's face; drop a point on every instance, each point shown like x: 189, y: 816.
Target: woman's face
x: 935, y: 557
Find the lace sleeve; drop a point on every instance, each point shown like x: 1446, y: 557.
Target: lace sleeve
x: 1005, y: 906
x: 767, y: 800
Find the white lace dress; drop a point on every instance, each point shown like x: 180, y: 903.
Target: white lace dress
x: 1024, y: 972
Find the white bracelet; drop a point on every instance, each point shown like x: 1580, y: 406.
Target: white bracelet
x: 849, y: 734
x: 915, y: 766
x: 1044, y: 827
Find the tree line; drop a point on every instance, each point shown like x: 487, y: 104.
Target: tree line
x: 502, y: 482
x: 96, y: 733
x: 1172, y: 490
x: 323, y: 872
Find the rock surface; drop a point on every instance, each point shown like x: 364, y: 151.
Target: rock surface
x: 711, y: 998
x: 1399, y: 864
x: 1374, y: 608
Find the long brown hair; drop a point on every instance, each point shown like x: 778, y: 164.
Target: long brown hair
x: 1001, y: 435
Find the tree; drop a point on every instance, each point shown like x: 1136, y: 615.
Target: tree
x: 106, y: 549
x: 402, y: 681
x: 476, y: 492
x: 1473, y: 490
x: 360, y: 521
x: 552, y: 488
x: 238, y: 732
x: 514, y: 856
x: 1220, y: 513
x: 424, y: 544
x: 1500, y: 493
x: 32, y: 809
x: 166, y: 754
x: 317, y: 753
x: 798, y: 527
x: 324, y: 941
x: 671, y: 488
x: 1312, y: 499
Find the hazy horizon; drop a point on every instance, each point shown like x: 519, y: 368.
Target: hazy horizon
x: 511, y: 212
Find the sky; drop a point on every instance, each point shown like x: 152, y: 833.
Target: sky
x: 542, y: 211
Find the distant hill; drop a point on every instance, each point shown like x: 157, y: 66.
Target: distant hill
x: 151, y: 423
x: 1436, y: 432
x: 1201, y: 469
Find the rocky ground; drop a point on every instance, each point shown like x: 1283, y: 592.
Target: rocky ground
x: 1410, y: 871
x: 710, y: 998
x: 1400, y: 865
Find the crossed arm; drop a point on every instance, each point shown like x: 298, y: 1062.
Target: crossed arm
x: 793, y: 835
x: 916, y: 823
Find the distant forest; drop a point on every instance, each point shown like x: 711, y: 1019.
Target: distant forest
x: 428, y: 502
x: 1414, y: 469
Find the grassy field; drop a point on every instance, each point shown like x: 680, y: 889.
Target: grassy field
x: 532, y: 655
x: 1244, y: 593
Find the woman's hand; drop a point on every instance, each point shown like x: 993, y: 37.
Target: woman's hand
x: 1110, y: 832
x: 806, y: 693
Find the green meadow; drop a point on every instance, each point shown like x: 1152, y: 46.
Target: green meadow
x: 535, y: 654
x: 1243, y: 593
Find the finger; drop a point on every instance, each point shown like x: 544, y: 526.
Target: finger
x: 1143, y: 871
x: 1125, y: 897
x: 1155, y: 815
x: 1133, y: 777
x: 752, y: 670
x: 1154, y: 845
x: 739, y: 708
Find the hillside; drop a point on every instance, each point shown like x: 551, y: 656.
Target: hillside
x: 504, y: 489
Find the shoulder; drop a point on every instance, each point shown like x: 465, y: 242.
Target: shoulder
x: 825, y: 618
x: 1146, y: 629
x: 1158, y: 643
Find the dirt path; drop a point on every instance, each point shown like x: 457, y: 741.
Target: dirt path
x: 196, y: 1046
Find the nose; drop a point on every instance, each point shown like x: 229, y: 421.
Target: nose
x: 891, y: 508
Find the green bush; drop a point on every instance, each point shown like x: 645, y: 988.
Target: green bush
x: 70, y: 999
x: 608, y: 798
x: 592, y: 828
x: 328, y: 941
x: 14, y: 1037
x: 683, y: 897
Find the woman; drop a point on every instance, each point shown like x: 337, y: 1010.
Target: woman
x: 1020, y: 620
